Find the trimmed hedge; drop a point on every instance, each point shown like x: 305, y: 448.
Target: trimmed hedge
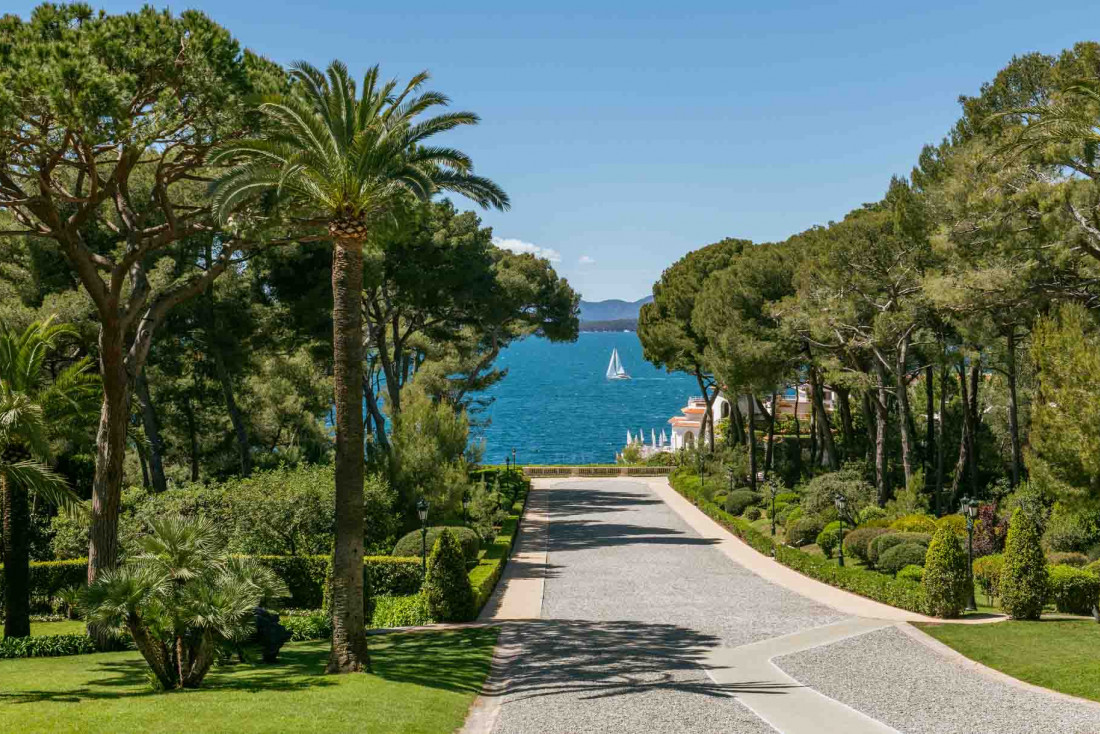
x: 739, y: 499
x: 911, y: 573
x: 804, y: 530
x: 1073, y: 590
x: 1077, y: 560
x: 410, y: 543
x: 914, y: 524
x: 313, y: 626
x: 895, y: 592
x: 484, y: 576
x: 857, y: 542
x: 50, y: 577
x: 401, y: 611
x: 45, y: 646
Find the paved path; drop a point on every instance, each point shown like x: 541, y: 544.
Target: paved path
x: 633, y: 615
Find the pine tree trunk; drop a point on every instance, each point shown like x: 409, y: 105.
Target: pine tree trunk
x: 843, y: 399
x: 975, y: 421
x: 940, y: 452
x: 902, y: 390
x: 151, y: 424
x: 752, y: 442
x: 193, y: 433
x: 17, y: 592
x: 869, y: 425
x: 244, y: 448
x: 930, y: 428
x: 797, y: 434
x: 824, y: 427
x: 737, y: 424
x: 349, y: 640
x: 881, y: 406
x: 110, y: 453
x: 1013, y: 414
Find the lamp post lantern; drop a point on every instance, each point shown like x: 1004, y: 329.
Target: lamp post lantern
x: 969, y: 508
x: 465, y: 505
x: 841, y: 508
x: 422, y: 513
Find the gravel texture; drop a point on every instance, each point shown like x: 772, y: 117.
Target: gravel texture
x: 900, y: 682
x: 633, y: 599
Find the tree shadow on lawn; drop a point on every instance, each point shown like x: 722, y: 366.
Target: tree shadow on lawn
x: 454, y: 660
x: 298, y: 668
x: 606, y: 659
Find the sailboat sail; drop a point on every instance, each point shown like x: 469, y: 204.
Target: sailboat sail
x: 615, y: 369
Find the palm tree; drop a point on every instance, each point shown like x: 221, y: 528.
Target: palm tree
x: 34, y: 412
x: 180, y: 598
x: 335, y: 160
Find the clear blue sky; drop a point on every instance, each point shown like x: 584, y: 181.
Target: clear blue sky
x: 630, y: 133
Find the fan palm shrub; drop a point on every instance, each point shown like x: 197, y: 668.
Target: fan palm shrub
x: 180, y: 596
x: 36, y: 412
x: 331, y: 159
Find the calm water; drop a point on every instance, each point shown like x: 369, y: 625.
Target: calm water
x: 556, y: 406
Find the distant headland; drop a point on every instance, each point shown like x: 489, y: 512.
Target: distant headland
x: 611, y: 315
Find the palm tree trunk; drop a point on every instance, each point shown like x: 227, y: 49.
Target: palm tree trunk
x: 17, y: 592
x: 151, y: 424
x: 349, y: 640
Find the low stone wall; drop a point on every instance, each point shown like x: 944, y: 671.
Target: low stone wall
x: 597, y: 471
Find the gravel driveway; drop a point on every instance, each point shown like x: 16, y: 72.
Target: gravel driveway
x: 633, y: 600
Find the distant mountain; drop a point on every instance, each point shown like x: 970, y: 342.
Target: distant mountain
x: 612, y: 310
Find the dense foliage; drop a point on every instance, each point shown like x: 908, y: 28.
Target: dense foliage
x: 446, y: 585
x: 1023, y: 583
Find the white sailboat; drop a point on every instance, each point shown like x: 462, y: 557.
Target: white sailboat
x: 615, y: 369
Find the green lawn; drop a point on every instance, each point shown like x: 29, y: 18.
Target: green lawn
x: 69, y: 627
x: 422, y: 682
x: 1053, y: 653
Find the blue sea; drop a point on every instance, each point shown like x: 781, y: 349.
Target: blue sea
x: 556, y: 405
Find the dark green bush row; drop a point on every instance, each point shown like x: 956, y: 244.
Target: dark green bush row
x: 50, y: 577
x: 45, y: 646
x: 1073, y: 590
x: 898, y: 593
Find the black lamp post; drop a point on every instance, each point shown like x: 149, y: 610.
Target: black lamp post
x: 841, y: 508
x: 513, y: 459
x: 699, y: 454
x: 422, y: 513
x: 969, y: 508
x: 731, y: 473
x: 465, y: 505
x: 773, y: 488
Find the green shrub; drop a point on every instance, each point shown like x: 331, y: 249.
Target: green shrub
x: 49, y: 578
x: 1024, y: 578
x: 44, y: 646
x: 911, y: 573
x: 820, y: 493
x: 857, y: 542
x: 788, y: 497
x: 946, y: 574
x: 410, y: 543
x: 914, y: 524
x: 1093, y: 568
x: 804, y: 530
x: 900, y: 556
x: 313, y: 626
x: 484, y: 576
x: 886, y: 541
x: 957, y: 523
x: 987, y: 574
x: 1073, y: 590
x: 871, y: 514
x: 739, y: 499
x: 1077, y: 560
x: 1070, y: 529
x: 752, y: 514
x: 446, y: 585
x: 401, y: 611
x: 828, y: 540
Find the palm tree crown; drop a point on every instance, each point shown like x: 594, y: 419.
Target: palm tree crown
x: 339, y: 159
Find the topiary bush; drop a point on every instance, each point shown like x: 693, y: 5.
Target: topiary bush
x: 857, y: 542
x: 987, y: 574
x: 1077, y: 560
x: 410, y: 543
x: 804, y: 530
x: 739, y: 499
x: 752, y: 514
x: 828, y: 540
x: 1073, y: 590
x: 912, y: 573
x: 946, y: 574
x: 446, y: 585
x: 888, y: 540
x: 900, y: 556
x: 1024, y: 576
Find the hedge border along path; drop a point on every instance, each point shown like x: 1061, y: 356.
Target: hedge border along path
x: 484, y: 576
x: 898, y: 593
